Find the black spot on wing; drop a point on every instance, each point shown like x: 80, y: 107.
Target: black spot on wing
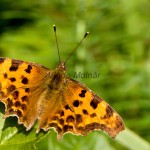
x: 15, y: 64
x: 15, y: 94
x: 11, y: 88
x: 19, y: 113
x: 93, y: 126
x: 27, y: 90
x: 55, y: 126
x: 5, y: 75
x: 17, y: 104
x: 78, y: 118
x: 2, y: 60
x: 67, y: 107
x: 12, y: 79
x: 62, y: 113
x: 23, y: 107
x: 2, y: 94
x: 24, y: 80
x: 24, y: 98
x: 28, y: 70
x: 70, y: 118
x: 93, y: 115
x: 76, y: 103
x: 85, y: 111
x: 61, y: 121
x: 109, y: 112
x: 67, y: 128
x: 9, y: 103
x: 82, y: 94
x: 95, y: 101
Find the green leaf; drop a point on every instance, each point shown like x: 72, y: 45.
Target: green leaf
x: 14, y: 137
x: 132, y: 141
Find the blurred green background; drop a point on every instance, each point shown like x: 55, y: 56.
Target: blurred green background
x: 118, y: 47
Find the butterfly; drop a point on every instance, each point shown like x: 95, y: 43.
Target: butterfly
x: 33, y: 92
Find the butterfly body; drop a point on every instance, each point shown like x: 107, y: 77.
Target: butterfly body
x: 32, y: 92
x: 57, y: 78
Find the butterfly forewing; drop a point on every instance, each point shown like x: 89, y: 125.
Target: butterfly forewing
x: 21, y: 86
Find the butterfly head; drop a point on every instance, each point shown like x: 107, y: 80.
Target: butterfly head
x: 62, y: 66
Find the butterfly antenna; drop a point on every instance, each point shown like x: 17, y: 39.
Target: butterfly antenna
x: 57, y: 42
x: 77, y: 46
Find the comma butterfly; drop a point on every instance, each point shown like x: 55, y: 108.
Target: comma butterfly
x: 33, y: 92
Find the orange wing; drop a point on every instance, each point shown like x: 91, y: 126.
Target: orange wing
x: 19, y: 89
x: 91, y: 112
x: 78, y: 110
